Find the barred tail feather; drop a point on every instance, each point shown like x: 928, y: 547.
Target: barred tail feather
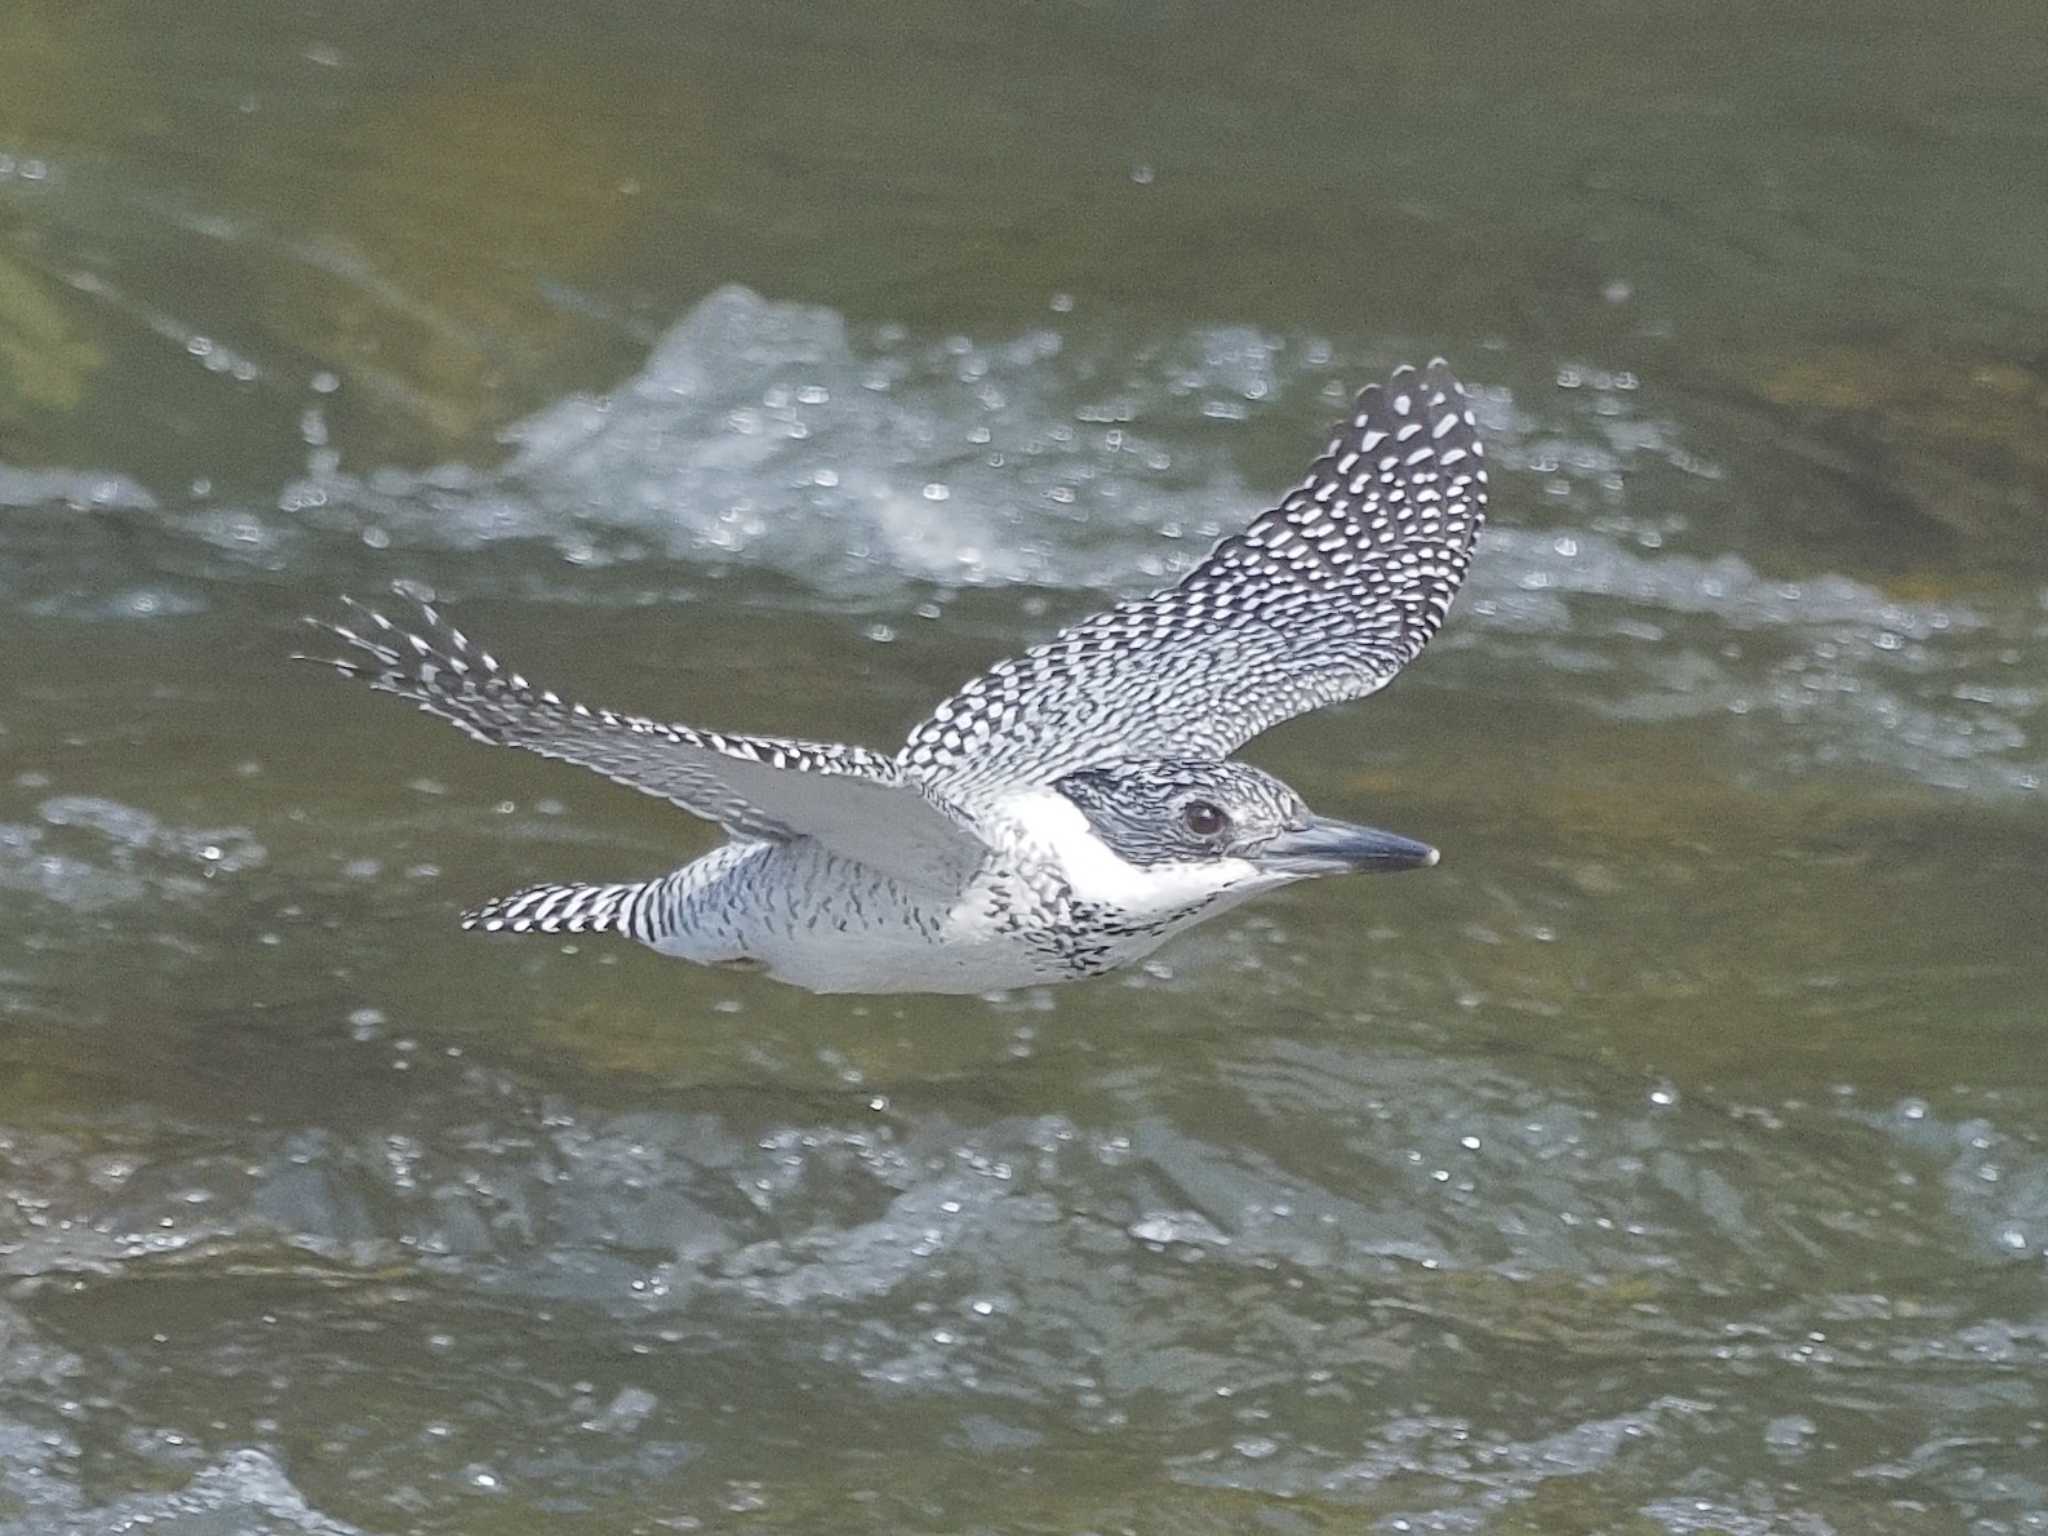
x: 627, y: 909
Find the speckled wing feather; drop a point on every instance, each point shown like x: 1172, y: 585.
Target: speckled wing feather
x: 857, y: 803
x: 1323, y: 598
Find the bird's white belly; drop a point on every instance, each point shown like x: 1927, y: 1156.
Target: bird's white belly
x: 885, y: 962
x: 826, y: 924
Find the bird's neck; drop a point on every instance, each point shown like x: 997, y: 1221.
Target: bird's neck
x: 1048, y: 831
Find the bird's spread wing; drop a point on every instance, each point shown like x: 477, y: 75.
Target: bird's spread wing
x: 856, y: 803
x: 1323, y: 598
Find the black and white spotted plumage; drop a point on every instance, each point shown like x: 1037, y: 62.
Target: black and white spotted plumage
x: 1323, y: 598
x: 1138, y: 806
x: 1062, y: 814
x: 632, y: 909
x: 859, y: 803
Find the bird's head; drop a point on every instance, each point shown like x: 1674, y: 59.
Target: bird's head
x: 1204, y: 827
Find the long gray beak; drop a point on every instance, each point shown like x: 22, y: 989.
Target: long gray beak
x: 1330, y: 847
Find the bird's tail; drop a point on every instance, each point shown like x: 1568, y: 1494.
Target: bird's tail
x: 633, y: 910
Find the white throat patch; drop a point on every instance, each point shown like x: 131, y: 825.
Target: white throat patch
x: 1047, y: 825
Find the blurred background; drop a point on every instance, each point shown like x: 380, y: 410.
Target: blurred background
x: 1670, y: 1160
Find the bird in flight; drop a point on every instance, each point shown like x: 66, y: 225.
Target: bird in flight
x: 1064, y: 813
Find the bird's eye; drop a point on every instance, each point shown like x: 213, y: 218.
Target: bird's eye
x: 1202, y: 818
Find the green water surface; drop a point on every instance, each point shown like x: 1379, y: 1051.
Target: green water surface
x: 1671, y: 1159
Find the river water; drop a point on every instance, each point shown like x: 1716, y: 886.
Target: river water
x: 1672, y: 1159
